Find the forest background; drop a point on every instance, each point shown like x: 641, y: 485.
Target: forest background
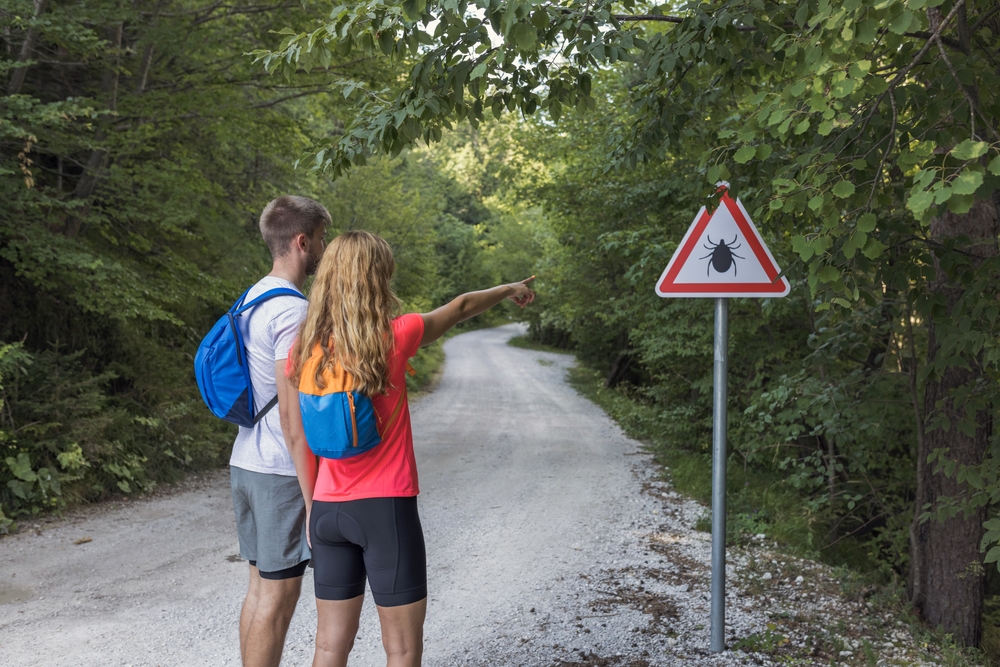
x: 574, y: 140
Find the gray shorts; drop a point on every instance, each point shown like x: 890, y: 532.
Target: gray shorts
x: 270, y: 519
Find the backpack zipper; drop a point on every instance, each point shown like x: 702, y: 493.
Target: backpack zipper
x: 354, y: 421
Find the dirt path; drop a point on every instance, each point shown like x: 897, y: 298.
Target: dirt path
x: 548, y: 544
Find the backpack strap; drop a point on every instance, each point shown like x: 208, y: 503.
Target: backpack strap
x: 238, y: 309
x: 269, y: 294
x: 239, y: 302
x: 395, y: 411
x: 263, y: 411
x: 399, y: 403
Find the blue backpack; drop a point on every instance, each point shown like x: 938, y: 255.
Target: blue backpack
x: 221, y: 367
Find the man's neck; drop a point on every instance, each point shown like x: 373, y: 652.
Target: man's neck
x: 286, y: 271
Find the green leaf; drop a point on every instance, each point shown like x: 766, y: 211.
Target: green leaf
x: 992, y: 534
x: 920, y: 202
x: 802, y: 247
x: 410, y: 10
x: 961, y: 204
x: 970, y: 150
x: 843, y: 189
x: 993, y: 556
x: 386, y: 41
x: 995, y: 166
x: 802, y: 126
x: 866, y: 223
x: 555, y: 110
x: 901, y: 23
x: 480, y: 69
x: 828, y: 274
x: 525, y: 36
x: 843, y: 88
x: 821, y: 244
x: 745, y: 154
x: 21, y: 467
x: 825, y: 128
x: 873, y: 249
x: 717, y: 172
x: 764, y: 151
x: 967, y: 182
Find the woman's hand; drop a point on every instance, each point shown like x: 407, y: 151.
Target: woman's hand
x: 308, y: 536
x: 523, y: 295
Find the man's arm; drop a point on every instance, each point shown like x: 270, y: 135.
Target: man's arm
x: 439, y: 321
x: 295, y: 437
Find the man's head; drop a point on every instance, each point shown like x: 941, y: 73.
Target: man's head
x: 295, y: 224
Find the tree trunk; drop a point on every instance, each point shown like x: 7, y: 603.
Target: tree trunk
x: 947, y: 583
x: 622, y: 364
x: 147, y: 51
x: 17, y: 78
x: 98, y: 157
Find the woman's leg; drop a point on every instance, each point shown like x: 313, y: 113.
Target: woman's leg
x: 337, y: 626
x: 339, y: 578
x: 403, y: 633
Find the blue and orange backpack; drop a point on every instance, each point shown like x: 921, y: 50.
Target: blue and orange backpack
x: 221, y: 367
x: 340, y: 422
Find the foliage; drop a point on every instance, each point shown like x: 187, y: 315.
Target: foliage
x: 758, y: 501
x: 135, y: 155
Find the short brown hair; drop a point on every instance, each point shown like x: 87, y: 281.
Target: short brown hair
x: 288, y: 216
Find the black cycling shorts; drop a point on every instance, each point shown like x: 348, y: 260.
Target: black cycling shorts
x: 287, y: 573
x: 380, y: 538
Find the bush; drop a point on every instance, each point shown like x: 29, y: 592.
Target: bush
x: 64, y: 437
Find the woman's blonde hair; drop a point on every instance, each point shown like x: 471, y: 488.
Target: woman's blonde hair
x: 351, y: 308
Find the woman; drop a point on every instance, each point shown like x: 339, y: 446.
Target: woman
x: 363, y: 510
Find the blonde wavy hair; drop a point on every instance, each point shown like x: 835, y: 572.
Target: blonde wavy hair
x: 351, y: 308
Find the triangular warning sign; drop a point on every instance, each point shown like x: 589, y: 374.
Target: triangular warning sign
x: 722, y: 255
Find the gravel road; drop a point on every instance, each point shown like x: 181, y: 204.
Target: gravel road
x: 550, y: 543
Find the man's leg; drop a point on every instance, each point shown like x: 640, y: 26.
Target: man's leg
x: 248, y: 610
x: 336, y: 627
x: 267, y: 613
x: 270, y: 517
x: 403, y: 633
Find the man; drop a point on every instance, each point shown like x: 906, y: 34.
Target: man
x: 269, y: 503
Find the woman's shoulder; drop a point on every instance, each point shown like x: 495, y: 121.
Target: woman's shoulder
x: 408, y: 321
x: 409, y: 331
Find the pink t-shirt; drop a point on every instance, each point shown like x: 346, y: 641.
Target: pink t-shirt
x: 390, y: 469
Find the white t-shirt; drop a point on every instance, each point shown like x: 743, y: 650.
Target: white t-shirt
x: 269, y: 329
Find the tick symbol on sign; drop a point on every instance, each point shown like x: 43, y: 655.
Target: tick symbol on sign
x: 722, y: 256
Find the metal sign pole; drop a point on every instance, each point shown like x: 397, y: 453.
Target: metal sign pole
x: 719, y: 423
x: 689, y: 275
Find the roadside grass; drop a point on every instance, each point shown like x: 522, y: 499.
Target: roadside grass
x: 526, y: 343
x: 429, y: 364
x: 757, y: 504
